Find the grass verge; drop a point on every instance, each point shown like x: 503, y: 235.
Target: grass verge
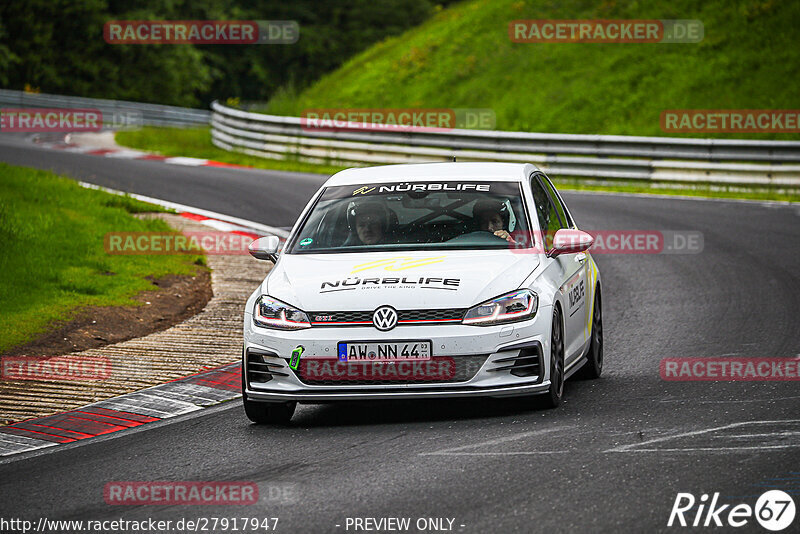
x: 53, y: 259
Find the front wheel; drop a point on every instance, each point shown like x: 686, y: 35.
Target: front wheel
x: 556, y: 390
x: 269, y: 413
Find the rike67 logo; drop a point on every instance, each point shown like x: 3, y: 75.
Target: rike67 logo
x: 774, y: 510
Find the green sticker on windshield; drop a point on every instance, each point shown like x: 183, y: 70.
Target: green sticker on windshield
x: 306, y: 241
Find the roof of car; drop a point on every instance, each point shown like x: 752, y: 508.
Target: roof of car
x: 416, y: 172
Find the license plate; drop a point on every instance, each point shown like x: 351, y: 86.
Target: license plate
x: 385, y: 352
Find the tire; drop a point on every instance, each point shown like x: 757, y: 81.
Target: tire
x: 593, y: 368
x: 267, y: 413
x: 555, y: 392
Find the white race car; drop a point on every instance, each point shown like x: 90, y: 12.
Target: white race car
x: 423, y: 281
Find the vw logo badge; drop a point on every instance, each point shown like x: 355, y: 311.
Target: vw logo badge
x: 384, y: 318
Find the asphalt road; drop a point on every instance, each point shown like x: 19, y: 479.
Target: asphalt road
x: 612, y: 458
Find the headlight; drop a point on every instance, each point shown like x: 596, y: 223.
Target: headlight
x: 272, y: 313
x: 512, y: 307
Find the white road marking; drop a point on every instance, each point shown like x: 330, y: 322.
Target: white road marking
x: 222, y: 226
x: 776, y: 434
x: 515, y: 453
x: 126, y: 154
x: 458, y: 450
x: 712, y: 449
x: 195, y: 393
x: 151, y: 405
x: 181, y: 160
x: 637, y: 447
x: 12, y: 444
x: 76, y: 149
x: 768, y: 399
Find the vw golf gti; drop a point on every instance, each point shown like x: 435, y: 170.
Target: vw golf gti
x: 423, y: 281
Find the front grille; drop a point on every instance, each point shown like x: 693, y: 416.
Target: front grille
x: 437, y: 370
x: 338, y: 318
x: 430, y: 315
x: 404, y: 317
x: 260, y: 370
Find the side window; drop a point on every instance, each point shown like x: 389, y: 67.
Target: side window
x: 562, y: 211
x: 542, y: 204
x: 547, y: 212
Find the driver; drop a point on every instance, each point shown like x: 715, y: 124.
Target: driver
x: 492, y: 216
x: 369, y: 221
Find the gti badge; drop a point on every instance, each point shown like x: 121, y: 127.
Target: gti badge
x: 384, y: 318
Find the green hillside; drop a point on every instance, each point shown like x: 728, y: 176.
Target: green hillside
x: 463, y: 57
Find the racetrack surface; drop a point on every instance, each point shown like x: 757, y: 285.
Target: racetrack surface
x: 612, y: 458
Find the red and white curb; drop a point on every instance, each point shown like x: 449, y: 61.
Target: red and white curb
x: 149, y: 405
x: 127, y: 153
x: 218, y: 221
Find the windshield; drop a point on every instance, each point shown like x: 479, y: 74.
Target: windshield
x: 412, y: 216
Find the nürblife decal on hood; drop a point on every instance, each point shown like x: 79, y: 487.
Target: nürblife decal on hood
x: 390, y: 282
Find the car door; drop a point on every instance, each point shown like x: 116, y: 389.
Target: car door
x: 588, y: 274
x: 569, y: 270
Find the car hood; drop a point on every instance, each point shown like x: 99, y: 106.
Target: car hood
x: 406, y: 280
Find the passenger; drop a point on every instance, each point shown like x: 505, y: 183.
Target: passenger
x: 492, y: 216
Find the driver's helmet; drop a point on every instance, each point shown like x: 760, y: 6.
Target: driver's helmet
x: 368, y: 207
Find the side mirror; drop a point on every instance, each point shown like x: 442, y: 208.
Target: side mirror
x: 569, y: 241
x: 265, y: 248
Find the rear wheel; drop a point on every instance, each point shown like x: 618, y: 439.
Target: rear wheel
x: 267, y: 413
x: 593, y: 368
x: 555, y: 392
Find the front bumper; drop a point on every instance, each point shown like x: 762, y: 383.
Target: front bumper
x: 374, y: 393
x: 504, y: 348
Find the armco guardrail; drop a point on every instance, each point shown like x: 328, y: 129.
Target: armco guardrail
x: 118, y: 111
x: 584, y: 156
